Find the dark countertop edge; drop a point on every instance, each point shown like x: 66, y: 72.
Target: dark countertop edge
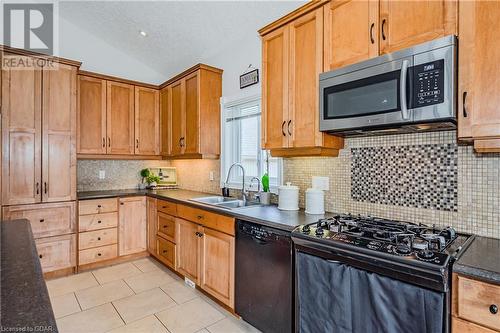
x: 477, y: 273
x: 25, y: 299
x: 232, y: 213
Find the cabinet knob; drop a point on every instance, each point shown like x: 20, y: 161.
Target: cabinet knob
x: 98, y: 238
x: 99, y: 206
x: 165, y: 226
x: 165, y: 251
x: 121, y: 203
x: 493, y: 309
x: 99, y: 221
x: 40, y: 256
x: 199, y: 217
x: 98, y: 254
x: 42, y: 220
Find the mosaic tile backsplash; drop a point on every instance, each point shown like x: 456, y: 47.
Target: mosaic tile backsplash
x: 420, y: 176
x: 467, y: 197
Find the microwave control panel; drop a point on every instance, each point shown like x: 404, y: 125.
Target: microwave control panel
x: 428, y: 83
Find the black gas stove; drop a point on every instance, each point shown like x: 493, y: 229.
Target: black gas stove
x: 401, y: 249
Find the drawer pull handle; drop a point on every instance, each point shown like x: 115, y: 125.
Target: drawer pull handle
x: 199, y: 217
x: 165, y: 251
x: 98, y: 254
x: 99, y: 221
x: 98, y: 238
x: 165, y: 226
x: 121, y: 203
x: 40, y: 256
x: 493, y: 309
x: 42, y: 220
x: 164, y: 207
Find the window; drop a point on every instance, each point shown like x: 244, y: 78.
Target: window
x: 241, y: 144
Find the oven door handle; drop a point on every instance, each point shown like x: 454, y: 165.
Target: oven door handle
x: 334, y: 261
x: 402, y: 90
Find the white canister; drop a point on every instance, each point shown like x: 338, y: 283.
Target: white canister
x: 315, y: 201
x: 288, y: 197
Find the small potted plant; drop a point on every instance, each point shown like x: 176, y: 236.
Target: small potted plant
x: 265, y: 196
x: 144, y: 175
x: 152, y: 180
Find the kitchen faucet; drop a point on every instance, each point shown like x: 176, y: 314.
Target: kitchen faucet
x: 243, y: 191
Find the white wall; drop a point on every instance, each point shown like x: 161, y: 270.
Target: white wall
x: 98, y: 56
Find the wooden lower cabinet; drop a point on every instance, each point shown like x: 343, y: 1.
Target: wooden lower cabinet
x: 57, y: 252
x: 166, y: 252
x: 217, y: 265
x: 188, y: 249
x: 151, y: 208
x: 132, y: 225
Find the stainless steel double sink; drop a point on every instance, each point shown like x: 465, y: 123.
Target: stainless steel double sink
x: 226, y: 202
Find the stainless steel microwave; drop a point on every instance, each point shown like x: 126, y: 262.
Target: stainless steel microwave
x: 405, y: 91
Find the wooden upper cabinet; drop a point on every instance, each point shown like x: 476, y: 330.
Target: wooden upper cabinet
x: 188, y: 249
x: 132, y: 237
x: 275, y: 62
x: 147, y: 121
x: 21, y: 136
x: 59, y: 134
x: 478, y: 113
x: 165, y: 120
x: 191, y: 137
x: 407, y: 23
x: 193, y: 110
x: 350, y: 32
x: 91, y: 115
x: 178, y: 123
x: 120, y: 118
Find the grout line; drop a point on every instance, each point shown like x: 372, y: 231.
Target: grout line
x: 118, y: 312
x: 161, y: 322
x: 130, y: 287
x: 77, y: 301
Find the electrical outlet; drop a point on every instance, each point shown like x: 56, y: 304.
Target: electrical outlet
x: 102, y: 174
x: 189, y: 283
x: 211, y: 176
x: 321, y: 183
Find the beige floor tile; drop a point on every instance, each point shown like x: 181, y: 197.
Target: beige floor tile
x: 203, y: 330
x: 149, y: 280
x: 147, y: 264
x: 96, y: 320
x: 179, y: 292
x: 142, y: 305
x: 190, y: 316
x: 71, y: 283
x: 64, y: 305
x: 106, y: 293
x: 231, y: 325
x: 117, y: 272
x: 149, y: 324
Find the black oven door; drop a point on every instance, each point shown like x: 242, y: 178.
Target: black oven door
x: 376, y: 96
x: 335, y: 297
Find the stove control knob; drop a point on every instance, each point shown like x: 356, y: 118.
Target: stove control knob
x: 320, y: 232
x: 306, y: 229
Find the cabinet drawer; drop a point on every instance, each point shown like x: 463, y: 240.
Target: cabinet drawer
x: 166, y: 251
x: 57, y: 252
x: 166, y: 226
x: 167, y: 207
x: 475, y: 299
x: 97, y: 238
x: 46, y: 219
x: 462, y: 326
x: 97, y: 221
x: 97, y: 206
x: 97, y: 254
x: 207, y: 219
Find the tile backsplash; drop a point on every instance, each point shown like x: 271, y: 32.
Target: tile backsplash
x: 424, y: 177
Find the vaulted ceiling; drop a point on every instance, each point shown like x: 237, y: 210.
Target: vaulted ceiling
x: 179, y: 33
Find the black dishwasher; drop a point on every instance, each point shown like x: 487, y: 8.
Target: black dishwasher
x: 264, y: 277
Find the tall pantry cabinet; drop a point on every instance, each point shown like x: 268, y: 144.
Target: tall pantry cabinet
x: 39, y: 155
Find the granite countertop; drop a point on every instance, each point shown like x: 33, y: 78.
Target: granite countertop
x: 481, y: 260
x: 269, y: 216
x: 25, y: 302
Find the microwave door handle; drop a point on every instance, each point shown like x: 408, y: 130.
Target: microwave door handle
x: 402, y: 90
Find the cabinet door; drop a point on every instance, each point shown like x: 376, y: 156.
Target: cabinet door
x: 192, y: 117
x: 56, y: 252
x: 120, y: 118
x: 147, y: 121
x: 59, y: 134
x: 132, y: 225
x: 351, y: 32
x: 177, y: 124
x: 188, y: 249
x: 151, y: 208
x: 91, y: 116
x: 217, y: 265
x: 478, y: 114
x: 275, y: 50
x: 21, y: 136
x: 407, y: 23
x: 165, y: 120
x: 306, y: 62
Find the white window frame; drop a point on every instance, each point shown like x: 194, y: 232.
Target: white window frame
x: 228, y: 103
